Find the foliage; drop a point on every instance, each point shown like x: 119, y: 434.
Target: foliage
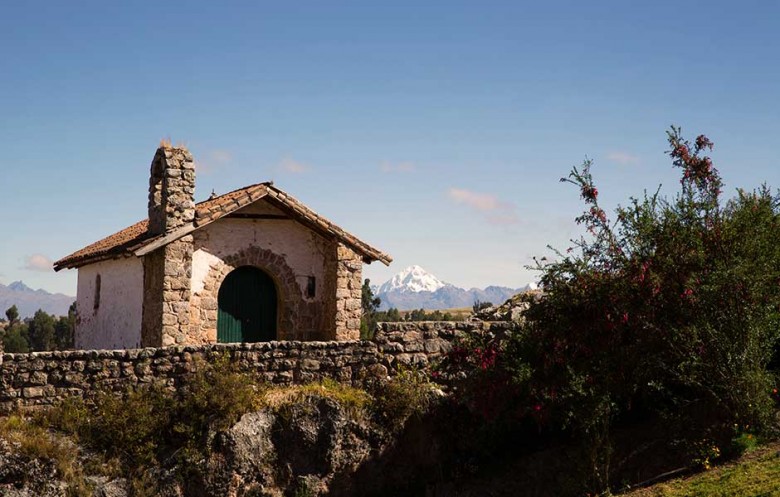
x: 478, y: 306
x: 12, y: 313
x: 757, y: 474
x: 391, y: 315
x: 36, y: 442
x: 370, y: 306
x: 15, y: 339
x: 423, y: 315
x: 65, y: 328
x: 407, y: 393
x: 354, y: 400
x: 673, y: 309
x: 154, y: 426
x: 41, y: 331
x: 485, y: 376
x: 745, y: 441
x: 670, y: 311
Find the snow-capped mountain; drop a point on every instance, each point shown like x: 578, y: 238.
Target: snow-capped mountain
x: 412, y: 279
x: 415, y: 288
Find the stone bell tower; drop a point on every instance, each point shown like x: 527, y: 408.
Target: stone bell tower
x: 168, y: 269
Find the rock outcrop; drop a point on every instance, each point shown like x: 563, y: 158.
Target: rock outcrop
x: 511, y: 310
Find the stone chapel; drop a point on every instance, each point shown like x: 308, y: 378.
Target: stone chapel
x: 252, y: 265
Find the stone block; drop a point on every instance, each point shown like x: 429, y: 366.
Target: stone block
x: 310, y: 364
x: 32, y: 392
x: 38, y: 378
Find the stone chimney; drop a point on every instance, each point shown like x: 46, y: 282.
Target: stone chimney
x: 168, y: 270
x: 171, y: 190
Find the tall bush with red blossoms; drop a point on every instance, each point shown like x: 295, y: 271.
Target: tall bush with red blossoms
x: 672, y: 309
x: 668, y: 312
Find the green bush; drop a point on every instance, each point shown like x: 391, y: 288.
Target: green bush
x: 404, y: 395
x: 671, y: 313
x: 154, y: 426
x: 673, y: 308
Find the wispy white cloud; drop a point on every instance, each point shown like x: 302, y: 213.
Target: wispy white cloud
x: 38, y: 262
x: 622, y: 158
x: 289, y: 165
x: 493, y: 209
x: 397, y: 167
x: 479, y: 201
x: 214, y: 161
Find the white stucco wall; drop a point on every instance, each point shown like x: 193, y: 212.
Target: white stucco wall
x: 302, y: 249
x: 116, y: 323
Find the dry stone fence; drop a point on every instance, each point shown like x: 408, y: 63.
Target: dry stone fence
x: 45, y: 378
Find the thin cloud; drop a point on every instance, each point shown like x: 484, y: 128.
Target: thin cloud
x: 493, y: 209
x: 622, y: 158
x: 479, y: 201
x: 291, y: 166
x: 398, y: 167
x: 506, y: 218
x: 216, y: 160
x: 38, y: 262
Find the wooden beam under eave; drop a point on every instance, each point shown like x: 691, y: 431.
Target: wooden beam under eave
x: 239, y: 215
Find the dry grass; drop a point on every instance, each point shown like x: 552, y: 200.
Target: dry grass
x: 35, y: 442
x: 354, y: 400
x: 459, y: 313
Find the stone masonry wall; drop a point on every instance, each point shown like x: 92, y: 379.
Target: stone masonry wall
x: 177, y: 275
x: 45, y: 378
x: 167, y: 271
x: 349, y: 281
x: 171, y: 190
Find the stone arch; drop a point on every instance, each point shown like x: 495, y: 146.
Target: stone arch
x: 291, y: 303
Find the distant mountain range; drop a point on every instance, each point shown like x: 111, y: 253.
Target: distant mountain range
x: 415, y: 288
x: 28, y: 300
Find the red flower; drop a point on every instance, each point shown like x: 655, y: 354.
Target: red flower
x: 589, y: 192
x: 703, y: 142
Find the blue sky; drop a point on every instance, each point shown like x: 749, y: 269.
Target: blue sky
x: 436, y: 131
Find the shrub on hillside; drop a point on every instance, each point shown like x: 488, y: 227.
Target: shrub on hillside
x: 153, y: 426
x: 672, y: 309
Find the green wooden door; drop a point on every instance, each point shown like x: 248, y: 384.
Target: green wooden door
x: 247, y: 307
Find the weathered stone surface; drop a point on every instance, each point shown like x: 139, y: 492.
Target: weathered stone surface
x: 44, y: 378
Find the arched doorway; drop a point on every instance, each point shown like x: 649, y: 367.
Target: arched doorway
x: 247, y: 307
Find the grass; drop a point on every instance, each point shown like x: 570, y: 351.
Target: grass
x: 36, y: 442
x: 152, y: 426
x: 756, y: 474
x: 354, y: 400
x: 458, y: 313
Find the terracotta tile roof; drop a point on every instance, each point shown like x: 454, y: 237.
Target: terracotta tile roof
x: 124, y: 243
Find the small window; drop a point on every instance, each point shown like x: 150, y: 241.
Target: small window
x: 96, y: 305
x: 311, y: 287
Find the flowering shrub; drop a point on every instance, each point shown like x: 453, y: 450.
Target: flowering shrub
x: 674, y: 307
x: 670, y: 309
x: 483, y: 376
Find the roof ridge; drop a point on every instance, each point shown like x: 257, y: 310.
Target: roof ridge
x: 129, y: 241
x: 264, y: 183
